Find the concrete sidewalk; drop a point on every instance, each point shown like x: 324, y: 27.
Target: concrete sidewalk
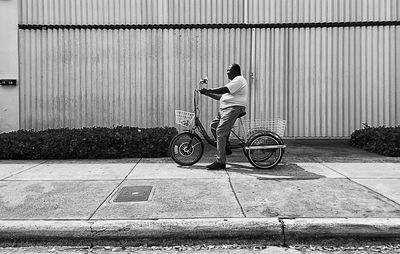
x: 320, y: 189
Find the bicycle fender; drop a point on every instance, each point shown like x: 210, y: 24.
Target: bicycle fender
x: 269, y: 133
x: 276, y: 136
x: 273, y: 134
x: 193, y: 134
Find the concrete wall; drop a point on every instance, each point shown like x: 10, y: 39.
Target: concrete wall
x: 9, y: 95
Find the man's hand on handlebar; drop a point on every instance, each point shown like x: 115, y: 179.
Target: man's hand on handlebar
x: 204, y: 91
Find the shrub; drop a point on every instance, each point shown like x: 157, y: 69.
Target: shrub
x: 86, y: 143
x: 382, y: 140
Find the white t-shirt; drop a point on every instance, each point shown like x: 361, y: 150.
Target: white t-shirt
x: 239, y: 90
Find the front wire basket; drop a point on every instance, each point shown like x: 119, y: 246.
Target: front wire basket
x: 184, y: 118
x: 275, y: 125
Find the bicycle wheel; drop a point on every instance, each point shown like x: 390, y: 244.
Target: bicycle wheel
x: 264, y: 158
x: 186, y: 148
x: 250, y: 136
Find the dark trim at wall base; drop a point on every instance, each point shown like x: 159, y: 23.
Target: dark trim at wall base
x: 215, y: 26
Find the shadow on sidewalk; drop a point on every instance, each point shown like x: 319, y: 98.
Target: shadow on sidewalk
x: 288, y: 171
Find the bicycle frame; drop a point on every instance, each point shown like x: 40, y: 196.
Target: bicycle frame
x: 199, y: 125
x: 202, y: 130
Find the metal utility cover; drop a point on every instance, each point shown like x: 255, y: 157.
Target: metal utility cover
x: 133, y: 194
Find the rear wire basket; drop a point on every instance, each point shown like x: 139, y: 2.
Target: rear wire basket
x: 184, y: 118
x: 275, y: 125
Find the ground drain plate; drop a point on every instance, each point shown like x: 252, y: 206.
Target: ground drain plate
x: 133, y: 194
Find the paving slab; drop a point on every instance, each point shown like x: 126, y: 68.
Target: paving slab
x: 331, y: 151
x: 389, y: 188
x: 175, y: 198
x: 78, y: 170
x: 366, y: 170
x: 281, y: 171
x: 325, y: 197
x: 320, y: 169
x: 145, y: 170
x: 10, y: 168
x: 325, y: 148
x: 52, y: 199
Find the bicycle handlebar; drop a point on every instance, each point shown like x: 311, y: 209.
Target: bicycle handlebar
x: 196, y: 94
x: 202, y: 81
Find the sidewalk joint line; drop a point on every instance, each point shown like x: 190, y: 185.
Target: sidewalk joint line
x: 24, y: 170
x: 382, y: 197
x: 234, y: 193
x: 113, y: 191
x: 323, y: 164
x: 281, y: 221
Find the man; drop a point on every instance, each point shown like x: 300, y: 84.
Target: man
x: 233, y: 101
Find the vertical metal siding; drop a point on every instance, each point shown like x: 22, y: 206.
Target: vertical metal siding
x: 76, y: 78
x: 298, y: 11
x: 84, y: 12
x: 327, y: 81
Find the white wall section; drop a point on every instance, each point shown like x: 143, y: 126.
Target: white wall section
x: 9, y: 95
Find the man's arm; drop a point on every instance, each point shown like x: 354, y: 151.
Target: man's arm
x: 219, y: 90
x: 214, y: 96
x: 215, y: 93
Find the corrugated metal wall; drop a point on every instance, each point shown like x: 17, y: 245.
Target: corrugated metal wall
x: 79, y: 77
x: 282, y: 11
x: 81, y: 12
x: 325, y: 81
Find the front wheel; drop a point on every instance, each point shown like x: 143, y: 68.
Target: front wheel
x: 186, y: 148
x: 260, y: 155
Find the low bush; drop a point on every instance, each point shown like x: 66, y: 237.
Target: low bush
x: 86, y: 143
x: 382, y: 140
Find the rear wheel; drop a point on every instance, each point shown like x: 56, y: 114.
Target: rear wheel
x: 264, y: 158
x: 250, y: 135
x: 186, y: 149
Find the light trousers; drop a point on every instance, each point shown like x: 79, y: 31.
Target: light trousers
x: 222, y: 125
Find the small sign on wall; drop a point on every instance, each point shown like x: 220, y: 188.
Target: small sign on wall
x: 8, y: 82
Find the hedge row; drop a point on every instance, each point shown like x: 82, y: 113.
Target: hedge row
x: 86, y: 143
x: 382, y: 140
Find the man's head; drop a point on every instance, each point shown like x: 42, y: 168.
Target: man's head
x: 233, y: 71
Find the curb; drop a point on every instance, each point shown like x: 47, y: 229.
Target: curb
x: 142, y: 229
x: 42, y: 229
x: 189, y: 228
x: 318, y: 228
x: 284, y: 230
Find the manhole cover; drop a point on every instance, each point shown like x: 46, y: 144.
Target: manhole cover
x: 133, y: 194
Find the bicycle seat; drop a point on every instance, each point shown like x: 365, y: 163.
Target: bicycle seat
x: 242, y: 114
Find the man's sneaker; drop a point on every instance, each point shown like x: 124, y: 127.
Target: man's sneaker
x: 216, y: 166
x: 228, y: 151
